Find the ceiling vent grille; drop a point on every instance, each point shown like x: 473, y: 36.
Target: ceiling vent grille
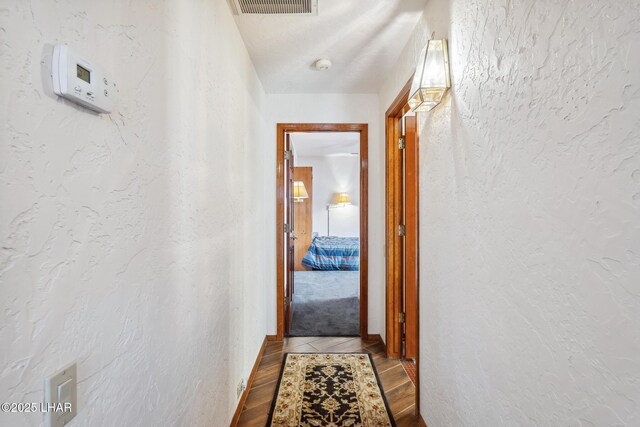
x: 275, y: 7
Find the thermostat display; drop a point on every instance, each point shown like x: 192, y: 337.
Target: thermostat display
x: 83, y: 73
x: 81, y: 81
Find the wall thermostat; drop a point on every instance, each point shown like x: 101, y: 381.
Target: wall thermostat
x: 81, y: 81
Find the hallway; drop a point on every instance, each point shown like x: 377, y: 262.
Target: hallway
x: 399, y: 390
x: 143, y: 228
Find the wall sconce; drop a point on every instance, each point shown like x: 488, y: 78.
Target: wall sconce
x: 342, y: 200
x: 299, y: 191
x: 432, y: 77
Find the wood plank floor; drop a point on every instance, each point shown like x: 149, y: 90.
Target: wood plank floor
x: 397, y: 386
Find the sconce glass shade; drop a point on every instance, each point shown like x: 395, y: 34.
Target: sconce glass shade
x: 343, y: 199
x: 432, y: 78
x: 299, y: 191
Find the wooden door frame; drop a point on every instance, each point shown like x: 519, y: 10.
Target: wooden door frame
x: 363, y: 129
x: 393, y: 218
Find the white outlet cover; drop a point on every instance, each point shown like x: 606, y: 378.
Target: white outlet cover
x: 242, y: 385
x: 60, y: 397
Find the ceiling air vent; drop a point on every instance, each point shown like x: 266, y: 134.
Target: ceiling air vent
x: 275, y: 7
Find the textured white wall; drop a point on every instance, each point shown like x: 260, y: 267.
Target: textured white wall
x: 530, y: 214
x: 131, y: 242
x: 337, y: 108
x: 331, y: 175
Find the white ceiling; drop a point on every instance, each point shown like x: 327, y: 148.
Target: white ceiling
x: 363, y: 39
x: 325, y: 143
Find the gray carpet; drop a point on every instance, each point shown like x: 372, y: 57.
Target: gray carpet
x: 326, y: 303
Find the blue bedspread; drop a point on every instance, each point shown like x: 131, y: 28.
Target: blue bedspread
x: 333, y: 253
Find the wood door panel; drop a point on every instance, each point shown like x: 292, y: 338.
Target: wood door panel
x: 288, y: 199
x: 303, y: 217
x: 411, y: 239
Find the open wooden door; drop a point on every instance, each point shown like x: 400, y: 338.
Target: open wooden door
x: 303, y: 216
x: 410, y: 254
x: 402, y: 225
x: 289, y: 237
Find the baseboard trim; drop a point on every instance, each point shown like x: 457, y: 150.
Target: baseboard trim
x: 421, y: 421
x: 245, y: 393
x: 272, y: 338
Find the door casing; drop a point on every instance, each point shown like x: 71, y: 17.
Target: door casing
x: 394, y: 244
x: 363, y: 130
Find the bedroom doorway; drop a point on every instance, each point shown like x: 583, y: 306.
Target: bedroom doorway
x: 321, y: 225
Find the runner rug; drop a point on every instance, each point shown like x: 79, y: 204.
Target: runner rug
x: 329, y: 389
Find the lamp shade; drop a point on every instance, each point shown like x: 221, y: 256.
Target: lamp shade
x: 432, y: 77
x: 299, y: 191
x: 343, y: 199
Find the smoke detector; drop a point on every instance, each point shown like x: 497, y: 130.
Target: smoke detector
x: 274, y: 7
x: 323, y: 64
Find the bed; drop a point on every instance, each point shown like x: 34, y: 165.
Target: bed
x: 333, y: 253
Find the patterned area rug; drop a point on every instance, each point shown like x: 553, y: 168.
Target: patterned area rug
x: 329, y: 389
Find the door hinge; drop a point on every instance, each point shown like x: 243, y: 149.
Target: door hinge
x: 287, y: 154
x: 402, y: 317
x: 402, y: 143
x: 287, y: 228
x: 402, y: 230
